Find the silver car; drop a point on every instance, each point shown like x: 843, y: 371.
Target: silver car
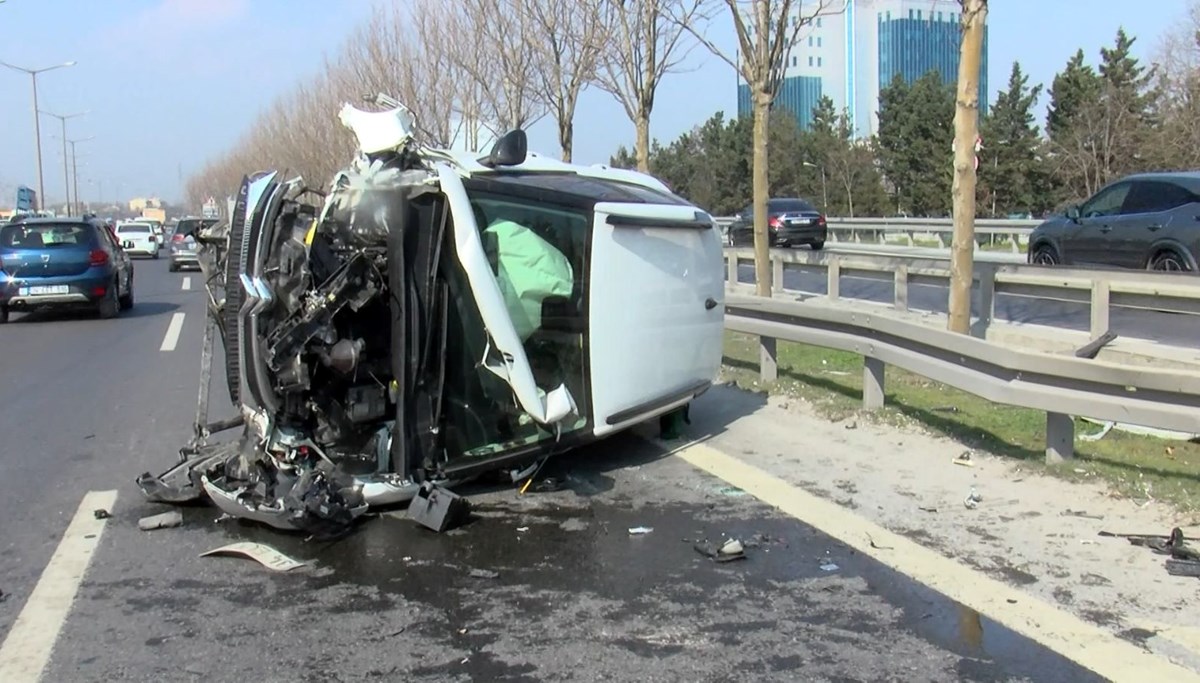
x: 184, y: 250
x: 1149, y: 220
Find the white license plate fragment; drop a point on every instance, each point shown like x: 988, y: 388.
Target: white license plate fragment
x: 44, y: 290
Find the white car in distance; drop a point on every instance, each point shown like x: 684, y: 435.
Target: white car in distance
x: 139, y: 239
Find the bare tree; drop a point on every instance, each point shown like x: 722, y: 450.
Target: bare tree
x: 573, y: 33
x: 648, y: 40
x: 493, y: 47
x: 766, y: 32
x: 966, y: 131
x: 1178, y: 86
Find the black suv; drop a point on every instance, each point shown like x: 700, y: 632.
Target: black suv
x: 63, y: 262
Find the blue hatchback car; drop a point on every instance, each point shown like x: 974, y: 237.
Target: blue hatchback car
x: 63, y: 262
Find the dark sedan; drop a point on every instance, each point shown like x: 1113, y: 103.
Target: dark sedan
x: 790, y: 222
x: 1148, y: 221
x: 63, y: 262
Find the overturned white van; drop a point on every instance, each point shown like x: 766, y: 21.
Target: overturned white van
x: 436, y: 315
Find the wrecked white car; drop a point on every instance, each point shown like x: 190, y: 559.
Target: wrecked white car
x: 434, y: 316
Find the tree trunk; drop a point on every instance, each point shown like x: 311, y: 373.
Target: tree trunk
x: 966, y: 127
x: 762, y: 263
x: 643, y: 141
x: 566, y: 138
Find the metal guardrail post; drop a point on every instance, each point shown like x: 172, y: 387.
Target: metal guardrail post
x: 873, y: 376
x: 1060, y: 438
x: 987, y: 299
x: 1100, y: 301
x: 776, y: 275
x: 834, y: 277
x: 768, y: 361
x: 901, y: 288
x: 732, y: 273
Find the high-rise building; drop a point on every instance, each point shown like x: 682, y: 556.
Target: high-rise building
x: 853, y: 54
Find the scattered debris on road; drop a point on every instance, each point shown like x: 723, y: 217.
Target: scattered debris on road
x: 438, y: 508
x: 263, y: 554
x: 101, y: 513
x: 522, y: 529
x: 3, y: 596
x: 1080, y: 513
x: 640, y: 530
x: 964, y: 459
x: 1184, y: 559
x: 731, y: 549
x: 484, y: 574
x: 973, y: 499
x: 829, y: 567
x: 165, y: 520
x: 923, y: 508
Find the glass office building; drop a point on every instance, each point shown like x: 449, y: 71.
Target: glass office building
x: 852, y: 55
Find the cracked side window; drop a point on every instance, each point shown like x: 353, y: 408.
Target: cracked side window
x: 537, y: 255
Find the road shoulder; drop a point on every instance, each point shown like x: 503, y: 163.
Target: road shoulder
x: 1033, y: 532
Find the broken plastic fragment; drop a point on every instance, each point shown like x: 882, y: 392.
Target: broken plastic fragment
x: 640, y: 530
x: 165, y: 520
x: 484, y: 574
x: 263, y: 554
x: 828, y: 567
x: 378, y: 131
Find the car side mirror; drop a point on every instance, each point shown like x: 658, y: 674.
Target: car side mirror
x: 1073, y: 213
x: 510, y: 150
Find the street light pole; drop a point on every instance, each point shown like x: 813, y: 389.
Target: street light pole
x: 824, y: 188
x: 37, y: 126
x: 75, y: 166
x: 66, y: 166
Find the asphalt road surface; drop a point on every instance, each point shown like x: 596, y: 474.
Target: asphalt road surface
x: 574, y: 596
x: 1165, y: 328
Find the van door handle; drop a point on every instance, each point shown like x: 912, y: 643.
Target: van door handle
x: 1154, y: 228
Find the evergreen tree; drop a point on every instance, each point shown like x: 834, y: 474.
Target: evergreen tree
x: 1075, y: 88
x: 916, y: 128
x: 1012, y: 173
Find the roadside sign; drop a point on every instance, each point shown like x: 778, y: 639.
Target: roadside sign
x: 26, y: 199
x: 210, y: 208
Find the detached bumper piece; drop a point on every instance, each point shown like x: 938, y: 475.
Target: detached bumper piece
x: 438, y: 508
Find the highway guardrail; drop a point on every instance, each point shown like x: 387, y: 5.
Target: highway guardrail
x: 912, y: 230
x: 1061, y: 386
x: 1100, y: 289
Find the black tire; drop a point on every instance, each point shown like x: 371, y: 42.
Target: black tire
x: 174, y: 267
x: 127, y: 300
x: 818, y: 246
x: 155, y: 256
x: 1045, y: 255
x: 1170, y: 262
x: 3, y: 314
x: 110, y: 305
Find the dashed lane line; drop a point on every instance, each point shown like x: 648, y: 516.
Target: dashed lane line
x: 1085, y: 644
x: 30, y: 642
x: 187, y: 282
x: 171, y: 340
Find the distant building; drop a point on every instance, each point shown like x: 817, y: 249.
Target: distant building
x: 140, y: 204
x: 851, y: 56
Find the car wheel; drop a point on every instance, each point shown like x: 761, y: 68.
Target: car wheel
x: 127, y: 299
x: 3, y: 314
x: 110, y: 305
x: 174, y: 267
x: 1045, y: 255
x: 155, y: 256
x: 1169, y: 261
x: 818, y: 246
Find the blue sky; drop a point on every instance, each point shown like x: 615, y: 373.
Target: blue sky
x: 171, y: 83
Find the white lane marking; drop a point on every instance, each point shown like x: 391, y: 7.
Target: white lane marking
x: 172, y: 338
x: 1086, y: 644
x: 29, y: 644
x: 187, y: 282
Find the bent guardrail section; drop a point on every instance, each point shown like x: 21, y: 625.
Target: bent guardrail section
x: 1014, y: 232
x: 1061, y: 386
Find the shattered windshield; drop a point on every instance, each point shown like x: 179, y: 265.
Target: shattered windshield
x: 536, y: 251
